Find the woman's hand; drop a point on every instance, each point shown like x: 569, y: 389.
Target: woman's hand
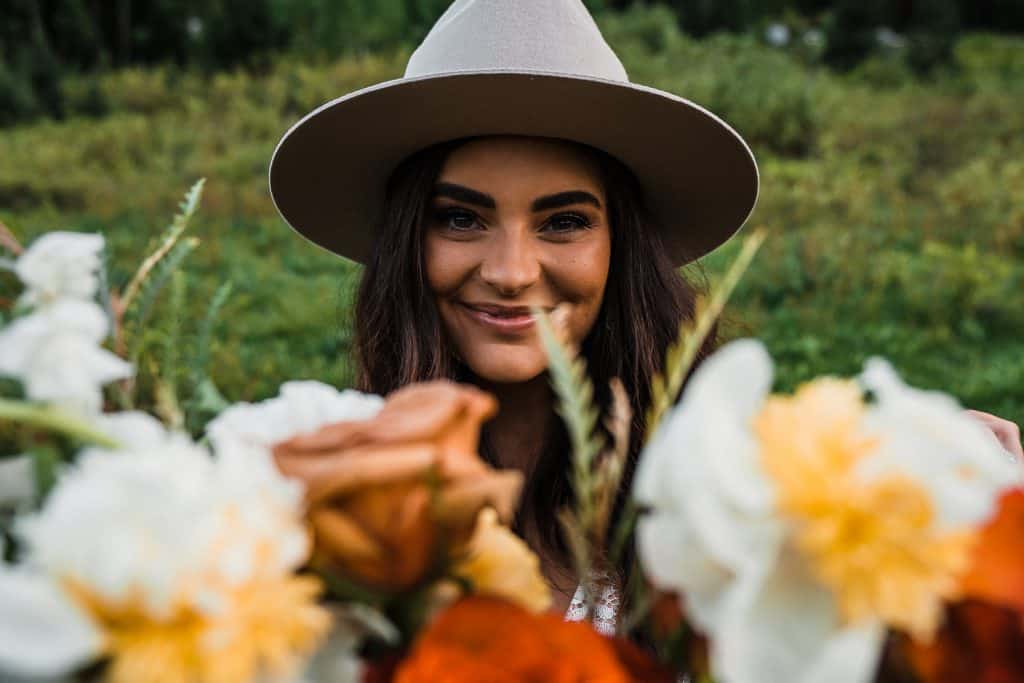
x: 1007, y: 432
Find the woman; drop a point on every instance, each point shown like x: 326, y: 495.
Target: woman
x: 512, y: 223
x: 515, y: 166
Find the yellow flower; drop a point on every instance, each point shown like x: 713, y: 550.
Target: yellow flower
x: 267, y: 626
x: 500, y: 564
x: 181, y: 566
x: 873, y: 540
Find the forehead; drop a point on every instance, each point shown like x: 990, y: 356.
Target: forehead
x: 513, y: 166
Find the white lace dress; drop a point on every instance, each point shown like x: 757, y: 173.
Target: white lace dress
x: 606, y: 609
x: 606, y: 612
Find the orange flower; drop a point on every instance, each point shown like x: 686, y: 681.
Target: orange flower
x: 487, y: 639
x: 982, y: 639
x: 997, y: 571
x: 979, y: 642
x: 389, y: 495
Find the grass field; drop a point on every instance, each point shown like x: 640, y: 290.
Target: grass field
x: 893, y: 204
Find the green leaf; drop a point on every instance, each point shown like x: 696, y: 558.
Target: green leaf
x: 208, y: 398
x: 46, y: 464
x: 54, y: 419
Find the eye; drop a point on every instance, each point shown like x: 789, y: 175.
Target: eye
x: 566, y: 222
x: 457, y: 220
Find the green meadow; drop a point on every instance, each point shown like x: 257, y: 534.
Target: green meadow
x: 893, y: 203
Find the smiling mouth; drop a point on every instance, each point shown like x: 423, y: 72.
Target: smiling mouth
x: 506, y: 319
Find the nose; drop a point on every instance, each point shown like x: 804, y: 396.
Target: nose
x: 510, y: 265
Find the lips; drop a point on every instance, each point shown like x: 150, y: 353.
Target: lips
x: 505, y: 319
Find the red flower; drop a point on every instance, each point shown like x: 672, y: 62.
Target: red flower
x: 487, y: 640
x: 982, y: 640
x: 997, y: 571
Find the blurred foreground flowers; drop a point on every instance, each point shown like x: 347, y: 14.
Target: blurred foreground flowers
x: 173, y: 565
x: 856, y: 530
x: 294, y: 534
x: 800, y: 528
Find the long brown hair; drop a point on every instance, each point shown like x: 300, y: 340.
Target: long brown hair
x: 400, y: 339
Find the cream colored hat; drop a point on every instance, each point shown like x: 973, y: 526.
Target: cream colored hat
x: 513, y: 67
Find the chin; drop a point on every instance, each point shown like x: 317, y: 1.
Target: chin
x: 507, y: 366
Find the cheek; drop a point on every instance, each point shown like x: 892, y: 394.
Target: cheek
x: 581, y: 277
x: 582, y: 274
x: 447, y: 264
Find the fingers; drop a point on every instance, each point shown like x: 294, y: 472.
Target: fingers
x: 1008, y: 433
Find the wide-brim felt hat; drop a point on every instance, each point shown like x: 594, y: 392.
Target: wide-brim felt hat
x: 513, y: 67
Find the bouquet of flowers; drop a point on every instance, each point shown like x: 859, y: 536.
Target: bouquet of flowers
x: 856, y: 530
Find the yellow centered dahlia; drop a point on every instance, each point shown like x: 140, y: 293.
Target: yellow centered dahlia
x: 799, y: 529
x: 179, y: 566
x: 873, y: 541
x: 262, y: 627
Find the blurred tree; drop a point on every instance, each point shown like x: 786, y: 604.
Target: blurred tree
x: 701, y: 17
x: 228, y: 32
x: 997, y: 15
x: 932, y: 28
x: 42, y: 39
x: 851, y: 31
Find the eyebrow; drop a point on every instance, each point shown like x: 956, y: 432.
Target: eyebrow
x: 470, y: 196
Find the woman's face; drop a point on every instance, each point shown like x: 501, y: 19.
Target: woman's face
x: 516, y: 223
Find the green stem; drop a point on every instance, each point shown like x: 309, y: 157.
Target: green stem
x: 683, y: 352
x: 54, y: 419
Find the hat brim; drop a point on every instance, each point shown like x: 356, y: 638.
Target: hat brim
x: 329, y: 171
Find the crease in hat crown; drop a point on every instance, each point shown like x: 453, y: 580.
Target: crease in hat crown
x: 553, y: 36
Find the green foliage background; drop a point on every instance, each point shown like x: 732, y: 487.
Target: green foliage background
x: 892, y: 202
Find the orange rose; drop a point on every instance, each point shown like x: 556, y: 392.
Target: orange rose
x: 388, y: 496
x: 488, y: 639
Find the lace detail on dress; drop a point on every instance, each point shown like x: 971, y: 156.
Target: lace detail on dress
x: 606, y: 614
x: 606, y: 609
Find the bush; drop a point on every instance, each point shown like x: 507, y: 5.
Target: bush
x: 766, y: 94
x: 898, y: 231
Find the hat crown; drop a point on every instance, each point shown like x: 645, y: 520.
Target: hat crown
x: 553, y: 36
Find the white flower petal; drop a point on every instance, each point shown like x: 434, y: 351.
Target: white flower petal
x: 702, y: 464
x: 713, y: 417
x: 134, y: 430
x: 56, y: 353
x: 851, y: 654
x: 300, y: 408
x: 791, y: 631
x: 928, y: 436
x: 42, y: 632
x: 125, y: 520
x: 17, y: 483
x: 60, y: 265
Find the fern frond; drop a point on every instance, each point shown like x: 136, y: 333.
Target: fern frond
x: 168, y: 375
x: 682, y: 354
x: 580, y: 554
x: 204, y: 394
x: 613, y: 460
x: 134, y: 330
x: 154, y: 285
x: 575, y: 394
x: 170, y: 237
x: 204, y: 340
